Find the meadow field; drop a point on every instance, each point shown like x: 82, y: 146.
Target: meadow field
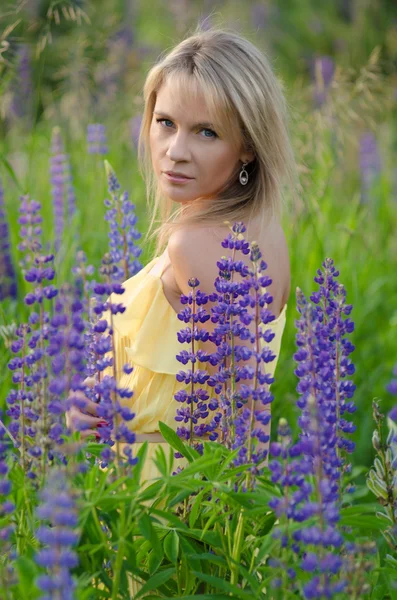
x: 71, y: 76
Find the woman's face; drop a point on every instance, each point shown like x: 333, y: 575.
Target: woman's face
x: 183, y: 139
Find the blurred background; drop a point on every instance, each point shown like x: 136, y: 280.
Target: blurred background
x: 71, y: 77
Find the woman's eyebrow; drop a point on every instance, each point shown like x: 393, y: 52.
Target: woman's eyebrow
x: 162, y: 114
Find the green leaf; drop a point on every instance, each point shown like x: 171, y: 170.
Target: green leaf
x: 160, y: 460
x: 155, y: 561
x: 196, y: 505
x: 175, y: 441
x: 267, y: 546
x: 11, y: 173
x: 358, y: 509
x: 362, y: 522
x: 171, y: 546
x: 208, y: 556
x: 188, y: 548
x: 155, y: 581
x: 223, y: 585
x: 147, y: 530
x: 27, y: 571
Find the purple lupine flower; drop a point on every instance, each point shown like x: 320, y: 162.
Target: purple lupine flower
x: 7, y: 506
x: 66, y: 350
x: 22, y: 86
x: 108, y: 388
x: 30, y: 367
x: 110, y: 75
x: 232, y: 299
x: 123, y: 233
x: 322, y: 71
x: 62, y: 190
x: 58, y: 506
x: 260, y: 15
x: 96, y: 139
x: 392, y: 386
x: 239, y: 428
x: 194, y: 403
x: 320, y: 453
x: 135, y: 129
x: 370, y: 163
x: 8, y: 278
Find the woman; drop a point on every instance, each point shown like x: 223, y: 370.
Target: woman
x: 213, y: 147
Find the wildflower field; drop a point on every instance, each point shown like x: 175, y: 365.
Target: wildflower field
x: 317, y: 517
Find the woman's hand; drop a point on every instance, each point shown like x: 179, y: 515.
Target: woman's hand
x: 75, y: 418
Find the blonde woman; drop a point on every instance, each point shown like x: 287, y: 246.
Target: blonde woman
x: 214, y: 147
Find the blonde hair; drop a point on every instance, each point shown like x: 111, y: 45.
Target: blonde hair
x: 245, y: 100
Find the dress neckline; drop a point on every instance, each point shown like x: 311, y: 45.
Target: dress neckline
x: 158, y: 278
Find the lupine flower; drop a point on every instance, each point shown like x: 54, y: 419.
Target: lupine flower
x: 63, y: 196
x: 117, y: 265
x: 322, y: 73
x: 370, y: 164
x: 239, y: 428
x: 96, y: 139
x: 260, y: 15
x: 109, y: 407
x: 22, y: 86
x: 8, y: 279
x: 195, y: 402
x: 232, y: 299
x: 65, y: 347
x: 123, y: 233
x: 309, y: 471
x: 7, y: 506
x: 59, y: 508
x: 110, y: 74
x: 81, y: 271
x: 30, y: 368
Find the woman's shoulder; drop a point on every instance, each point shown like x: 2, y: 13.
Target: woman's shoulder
x: 201, y: 244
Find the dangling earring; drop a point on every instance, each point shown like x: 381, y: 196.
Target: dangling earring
x: 243, y: 177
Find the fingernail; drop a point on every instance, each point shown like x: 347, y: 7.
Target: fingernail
x: 103, y: 423
x: 97, y: 435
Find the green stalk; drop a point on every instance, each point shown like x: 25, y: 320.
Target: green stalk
x: 237, y: 548
x: 119, y: 557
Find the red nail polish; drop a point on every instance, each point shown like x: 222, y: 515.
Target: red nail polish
x: 103, y: 423
x: 97, y: 435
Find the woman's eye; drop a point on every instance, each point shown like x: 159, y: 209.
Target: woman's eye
x: 210, y: 130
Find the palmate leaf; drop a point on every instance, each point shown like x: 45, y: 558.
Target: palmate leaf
x: 149, y: 533
x: 171, y: 546
x: 175, y: 441
x: 155, y: 581
x: 154, y: 562
x: 196, y: 505
x: 365, y: 522
x: 220, y: 561
x: 212, y: 538
x: 27, y: 571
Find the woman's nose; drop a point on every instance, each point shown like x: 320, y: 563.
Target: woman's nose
x: 178, y: 148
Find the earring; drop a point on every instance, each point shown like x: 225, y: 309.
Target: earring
x: 243, y: 176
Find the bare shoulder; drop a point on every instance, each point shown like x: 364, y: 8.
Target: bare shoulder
x: 195, y: 250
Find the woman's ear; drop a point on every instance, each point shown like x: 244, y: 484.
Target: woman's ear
x: 247, y: 157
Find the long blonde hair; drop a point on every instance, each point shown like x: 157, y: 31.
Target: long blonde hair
x: 246, y: 101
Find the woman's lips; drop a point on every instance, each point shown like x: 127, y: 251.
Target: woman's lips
x: 177, y: 178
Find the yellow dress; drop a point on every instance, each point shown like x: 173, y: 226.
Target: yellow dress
x: 146, y: 338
